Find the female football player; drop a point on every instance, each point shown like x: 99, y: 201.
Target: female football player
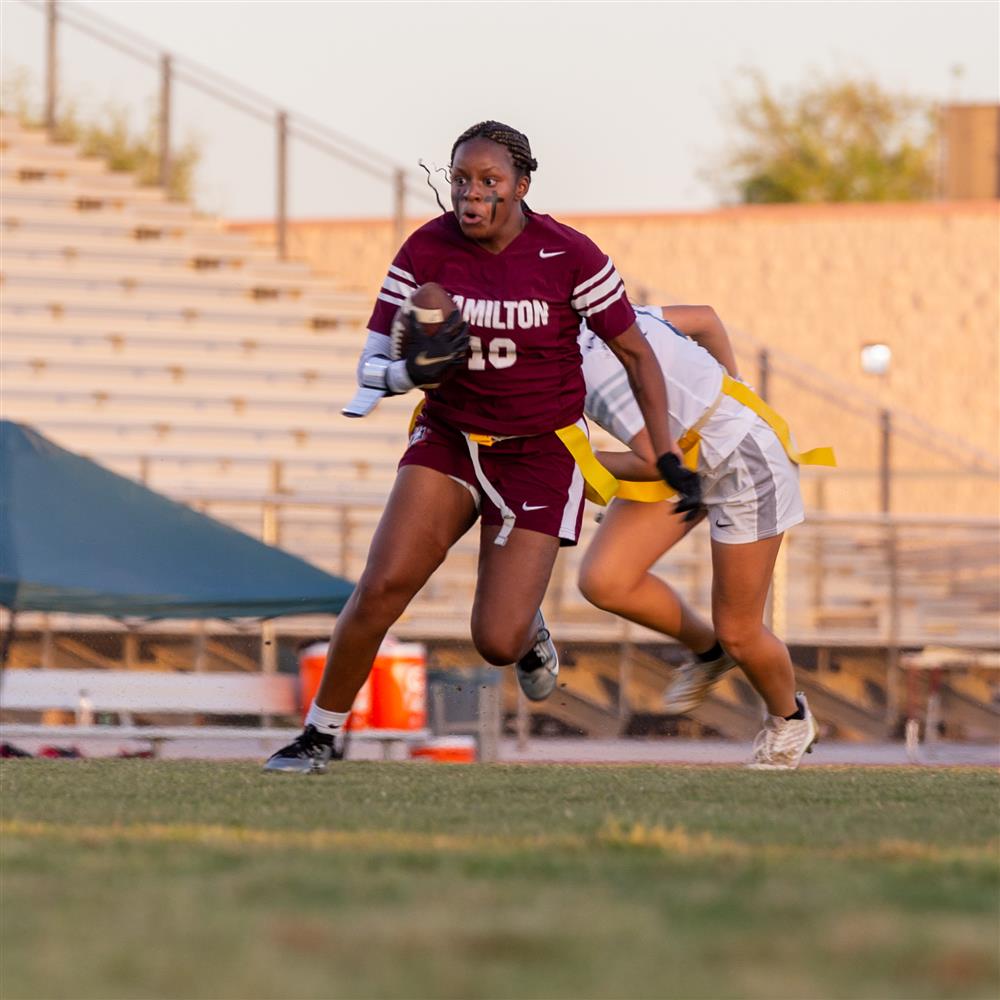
x: 750, y: 491
x: 504, y: 391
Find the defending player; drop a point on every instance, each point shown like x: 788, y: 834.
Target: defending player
x: 750, y: 491
x: 489, y: 442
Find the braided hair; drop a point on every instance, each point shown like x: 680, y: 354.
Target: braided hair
x: 516, y: 143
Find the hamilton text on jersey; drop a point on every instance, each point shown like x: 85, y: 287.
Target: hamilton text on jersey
x: 491, y: 314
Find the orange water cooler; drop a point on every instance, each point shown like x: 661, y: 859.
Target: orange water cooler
x: 312, y: 660
x: 393, y: 697
x: 399, y: 686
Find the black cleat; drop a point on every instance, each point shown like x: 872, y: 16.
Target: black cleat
x: 308, y: 753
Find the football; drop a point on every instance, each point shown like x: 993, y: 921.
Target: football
x: 431, y: 305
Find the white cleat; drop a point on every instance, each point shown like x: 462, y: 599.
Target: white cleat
x: 692, y: 682
x: 538, y: 669
x: 782, y: 743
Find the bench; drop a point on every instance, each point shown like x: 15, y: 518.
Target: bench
x: 88, y: 693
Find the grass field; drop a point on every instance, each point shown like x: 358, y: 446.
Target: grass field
x: 165, y: 879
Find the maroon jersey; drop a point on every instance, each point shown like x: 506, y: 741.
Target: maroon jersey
x: 523, y: 307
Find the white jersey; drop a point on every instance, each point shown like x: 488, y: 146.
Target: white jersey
x: 693, y: 379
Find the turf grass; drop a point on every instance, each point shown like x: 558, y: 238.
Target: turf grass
x: 178, y: 879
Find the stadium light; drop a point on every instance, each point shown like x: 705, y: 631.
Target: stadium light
x: 876, y: 358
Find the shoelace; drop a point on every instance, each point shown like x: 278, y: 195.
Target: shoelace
x: 535, y: 658
x: 785, y: 738
x: 761, y: 749
x: 774, y: 740
x: 307, y: 744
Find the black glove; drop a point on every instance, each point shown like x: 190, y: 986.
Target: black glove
x: 428, y: 359
x: 684, y: 481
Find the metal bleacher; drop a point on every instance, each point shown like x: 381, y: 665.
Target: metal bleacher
x: 142, y: 334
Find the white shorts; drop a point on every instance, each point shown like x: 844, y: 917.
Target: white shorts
x: 754, y: 493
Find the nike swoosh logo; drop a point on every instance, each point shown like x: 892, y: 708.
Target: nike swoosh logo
x: 422, y: 359
x: 525, y: 506
x: 545, y: 254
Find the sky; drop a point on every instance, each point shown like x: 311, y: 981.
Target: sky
x: 624, y: 103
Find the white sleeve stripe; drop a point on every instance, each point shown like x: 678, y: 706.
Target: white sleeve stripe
x: 597, y: 293
x: 600, y: 307
x: 395, y: 287
x: 405, y: 275
x: 391, y: 299
x: 591, y: 281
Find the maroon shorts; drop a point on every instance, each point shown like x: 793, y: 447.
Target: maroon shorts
x: 536, y: 476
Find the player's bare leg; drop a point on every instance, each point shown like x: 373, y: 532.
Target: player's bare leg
x: 616, y: 576
x: 507, y: 622
x: 615, y: 572
x: 511, y: 583
x: 426, y: 513
x: 740, y: 581
x: 741, y: 576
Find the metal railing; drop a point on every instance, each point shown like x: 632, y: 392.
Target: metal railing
x: 886, y: 582
x: 869, y: 580
x: 367, y: 477
x: 172, y: 69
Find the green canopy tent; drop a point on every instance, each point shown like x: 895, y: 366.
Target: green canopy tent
x: 77, y: 538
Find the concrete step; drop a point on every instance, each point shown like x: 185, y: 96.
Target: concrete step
x: 37, y: 279
x: 56, y: 267
x: 69, y: 189
x: 114, y: 361
x: 175, y: 220
x: 37, y: 337
x: 219, y: 252
x: 332, y: 312
x: 90, y: 201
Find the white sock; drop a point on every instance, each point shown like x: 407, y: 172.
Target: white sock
x: 330, y: 723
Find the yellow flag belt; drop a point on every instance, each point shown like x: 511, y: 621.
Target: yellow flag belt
x: 602, y: 486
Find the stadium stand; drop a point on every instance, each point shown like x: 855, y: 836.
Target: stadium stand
x: 181, y: 353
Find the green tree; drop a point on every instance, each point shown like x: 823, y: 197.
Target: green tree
x: 844, y: 139
x: 109, y: 135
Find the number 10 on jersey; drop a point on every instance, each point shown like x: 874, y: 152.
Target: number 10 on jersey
x: 500, y: 351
